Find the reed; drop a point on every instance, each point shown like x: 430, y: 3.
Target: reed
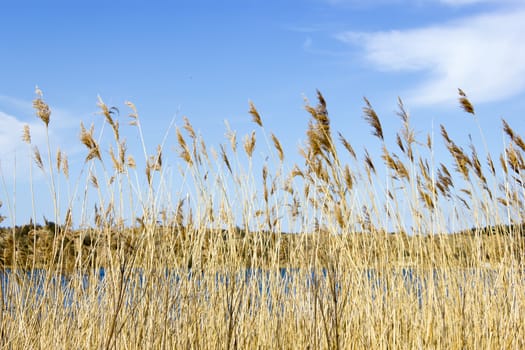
x: 340, y: 251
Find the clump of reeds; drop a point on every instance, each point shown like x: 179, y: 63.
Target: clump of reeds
x: 367, y: 260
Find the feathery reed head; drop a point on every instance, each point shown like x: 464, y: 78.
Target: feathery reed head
x: 59, y: 160
x: 513, y: 136
x: 65, y: 165
x: 318, y: 133
x: 131, y: 162
x: 463, y: 162
x: 249, y: 144
x: 348, y: 177
x: 225, y: 159
x: 108, y: 114
x: 184, y: 151
x: 231, y: 135
x: 154, y: 163
x: 116, y: 163
x: 444, y: 181
x: 86, y: 137
x: 465, y: 103
x: 134, y: 116
x: 38, y: 158
x: 26, y: 134
x: 372, y: 119
x: 369, y: 164
x: 189, y: 128
x: 278, y: 147
x: 347, y: 146
x: 256, y: 118
x: 42, y: 109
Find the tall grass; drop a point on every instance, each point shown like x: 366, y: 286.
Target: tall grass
x: 370, y: 262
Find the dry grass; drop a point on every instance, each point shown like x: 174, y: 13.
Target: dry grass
x: 214, y: 268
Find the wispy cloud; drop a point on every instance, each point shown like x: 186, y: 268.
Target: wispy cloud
x: 470, y: 2
x: 14, y: 153
x: 483, y: 54
x: 361, y: 3
x: 12, y: 148
x: 371, y: 3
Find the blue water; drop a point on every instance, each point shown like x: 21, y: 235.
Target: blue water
x: 36, y: 286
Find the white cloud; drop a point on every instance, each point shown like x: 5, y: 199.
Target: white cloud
x: 469, y: 2
x: 484, y: 55
x: 13, y: 151
x: 371, y: 3
x: 14, y: 115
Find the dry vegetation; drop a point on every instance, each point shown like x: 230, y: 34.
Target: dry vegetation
x: 370, y: 265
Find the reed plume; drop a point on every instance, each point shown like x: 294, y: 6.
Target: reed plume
x: 26, y: 134
x: 38, y: 158
x: 371, y: 117
x: 86, y: 137
x: 278, y: 147
x: 256, y: 118
x: 347, y: 146
x: 42, y: 108
x: 249, y: 144
x: 184, y: 151
x: 465, y: 103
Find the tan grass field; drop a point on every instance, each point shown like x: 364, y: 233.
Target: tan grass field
x: 217, y: 270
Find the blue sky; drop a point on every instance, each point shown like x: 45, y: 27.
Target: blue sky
x: 207, y: 59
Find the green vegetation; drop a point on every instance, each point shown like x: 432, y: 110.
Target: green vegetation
x: 369, y: 262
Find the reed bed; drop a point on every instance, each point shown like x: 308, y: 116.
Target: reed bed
x: 341, y: 251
